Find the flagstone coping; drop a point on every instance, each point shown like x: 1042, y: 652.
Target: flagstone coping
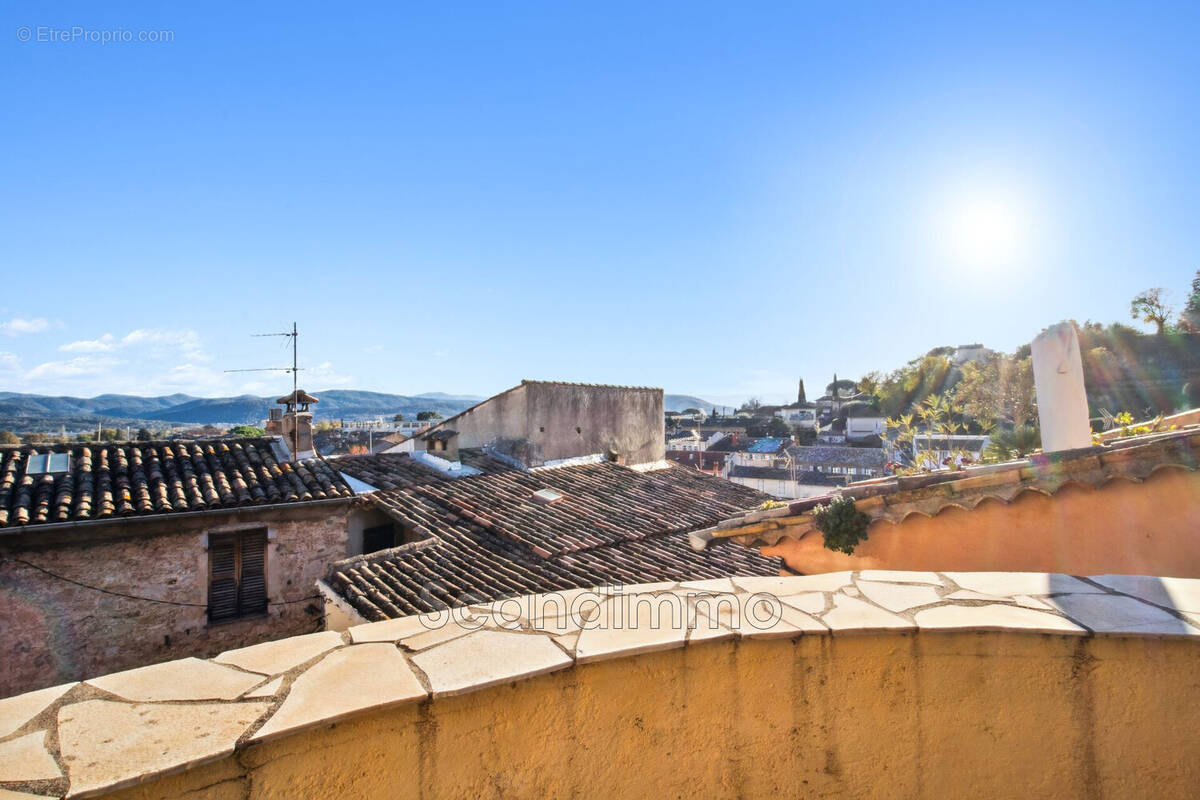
x: 127, y: 728
x: 272, y: 658
x: 186, y: 679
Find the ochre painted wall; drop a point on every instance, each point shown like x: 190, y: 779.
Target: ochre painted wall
x: 1150, y: 528
x: 55, y: 631
x: 948, y: 715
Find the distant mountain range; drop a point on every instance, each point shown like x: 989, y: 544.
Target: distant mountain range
x: 25, y: 411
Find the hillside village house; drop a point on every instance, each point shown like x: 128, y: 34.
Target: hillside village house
x: 123, y: 554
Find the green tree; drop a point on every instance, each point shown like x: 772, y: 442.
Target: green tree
x: 999, y: 390
x: 753, y: 404
x: 144, y: 435
x: 1012, y: 444
x: 778, y: 428
x: 1151, y: 306
x: 398, y: 418
x: 8, y: 437
x: 691, y: 411
x: 1189, y: 318
x: 246, y: 430
x: 109, y: 434
x: 426, y: 416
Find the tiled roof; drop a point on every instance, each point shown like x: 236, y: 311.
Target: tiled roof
x: 484, y: 537
x: 120, y: 479
x: 760, y: 473
x: 895, y: 498
x: 766, y: 444
x: 839, y: 455
x: 707, y: 459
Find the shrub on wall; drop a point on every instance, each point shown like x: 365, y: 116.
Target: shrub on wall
x: 842, y: 523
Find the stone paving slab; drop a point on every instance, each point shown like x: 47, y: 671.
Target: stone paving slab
x: 809, y: 602
x: 272, y: 658
x: 27, y: 759
x: 487, y: 658
x: 633, y: 624
x: 1008, y: 584
x: 898, y: 596
x: 358, y: 678
x: 825, y: 582
x: 16, y: 711
x: 173, y: 716
x: 851, y: 615
x: 1178, y: 593
x: 186, y: 679
x: 993, y: 618
x: 108, y: 745
x: 1124, y: 615
x: 391, y: 630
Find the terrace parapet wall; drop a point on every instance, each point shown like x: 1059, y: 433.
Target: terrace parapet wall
x: 865, y: 684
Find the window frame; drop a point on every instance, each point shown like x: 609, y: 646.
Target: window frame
x: 246, y: 575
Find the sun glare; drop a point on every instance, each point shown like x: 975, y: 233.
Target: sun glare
x: 985, y: 230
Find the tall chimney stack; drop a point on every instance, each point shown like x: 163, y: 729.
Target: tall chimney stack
x: 294, y: 425
x: 1061, y: 397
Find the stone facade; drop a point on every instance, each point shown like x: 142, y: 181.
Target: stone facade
x: 83, y: 620
x: 539, y: 422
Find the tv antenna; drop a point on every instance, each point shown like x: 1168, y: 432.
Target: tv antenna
x: 294, y: 335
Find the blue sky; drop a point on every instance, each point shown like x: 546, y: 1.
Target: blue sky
x: 713, y: 198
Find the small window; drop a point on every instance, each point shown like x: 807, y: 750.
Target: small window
x: 237, y: 575
x: 380, y: 537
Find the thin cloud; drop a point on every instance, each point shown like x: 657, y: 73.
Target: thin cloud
x: 19, y: 326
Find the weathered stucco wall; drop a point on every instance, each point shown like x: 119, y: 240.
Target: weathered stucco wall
x: 55, y: 630
x: 570, y: 420
x: 993, y: 715
x: 1150, y: 528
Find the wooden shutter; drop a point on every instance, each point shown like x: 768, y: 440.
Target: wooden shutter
x: 237, y: 575
x: 222, y: 578
x: 252, y: 586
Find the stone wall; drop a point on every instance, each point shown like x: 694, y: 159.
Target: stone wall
x: 560, y: 420
x: 55, y: 629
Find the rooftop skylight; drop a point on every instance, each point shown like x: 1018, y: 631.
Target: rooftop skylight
x: 48, y: 463
x: 547, y: 496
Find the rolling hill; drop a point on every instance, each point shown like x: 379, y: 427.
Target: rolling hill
x: 29, y: 411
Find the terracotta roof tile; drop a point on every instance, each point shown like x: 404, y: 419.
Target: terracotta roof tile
x: 136, y: 478
x: 485, y: 537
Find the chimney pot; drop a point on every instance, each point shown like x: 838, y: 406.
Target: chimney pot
x: 1061, y: 396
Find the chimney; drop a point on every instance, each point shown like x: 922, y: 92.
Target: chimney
x: 1061, y: 397
x: 295, y: 425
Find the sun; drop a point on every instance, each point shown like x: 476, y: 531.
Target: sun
x: 985, y: 229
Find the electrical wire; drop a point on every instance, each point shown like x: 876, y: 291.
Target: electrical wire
x: 135, y: 597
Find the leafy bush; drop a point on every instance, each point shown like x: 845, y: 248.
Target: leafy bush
x: 842, y: 523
